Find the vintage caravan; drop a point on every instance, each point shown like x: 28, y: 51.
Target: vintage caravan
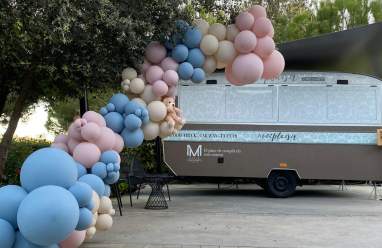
x: 299, y: 128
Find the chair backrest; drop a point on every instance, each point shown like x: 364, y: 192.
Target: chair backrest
x: 136, y: 168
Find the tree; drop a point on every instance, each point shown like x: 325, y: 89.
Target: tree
x: 54, y: 49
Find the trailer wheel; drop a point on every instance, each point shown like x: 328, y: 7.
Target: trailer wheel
x: 281, y: 183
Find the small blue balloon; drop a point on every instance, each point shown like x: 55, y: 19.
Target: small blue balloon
x: 103, y: 111
x: 132, y: 139
x: 117, y: 167
x: 8, y: 235
x: 48, y: 215
x: 119, y: 100
x: 21, y: 242
x: 132, y: 122
x: 185, y: 71
x: 110, y: 107
x: 110, y: 156
x: 182, y: 25
x: 192, y: 38
x: 82, y: 192
x: 95, y: 182
x: 85, y: 219
x: 112, y: 177
x: 114, y: 121
x: 11, y: 197
x: 81, y: 170
x: 131, y: 107
x: 198, y: 75
x: 180, y: 53
x: 107, y: 191
x: 196, y: 57
x: 48, y: 166
x: 110, y: 167
x: 99, y: 169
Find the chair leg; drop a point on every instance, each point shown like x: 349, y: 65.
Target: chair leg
x: 168, y: 192
x: 131, y: 201
x: 119, y: 200
x: 218, y: 185
x: 139, y: 191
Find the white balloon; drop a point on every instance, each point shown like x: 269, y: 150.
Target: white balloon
x: 202, y: 25
x: 129, y: 73
x: 209, y: 44
x: 157, y: 111
x: 218, y: 30
x: 151, y: 130
x: 137, y: 85
x: 104, y: 222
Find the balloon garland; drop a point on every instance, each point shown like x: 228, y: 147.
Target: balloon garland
x: 64, y: 194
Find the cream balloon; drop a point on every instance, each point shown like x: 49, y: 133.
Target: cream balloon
x: 94, y: 219
x: 96, y: 202
x: 151, y: 130
x: 148, y: 94
x: 232, y: 31
x: 218, y: 30
x: 226, y: 52
x: 104, y: 222
x: 165, y: 130
x: 157, y: 111
x: 202, y: 25
x: 140, y: 101
x: 129, y: 73
x: 137, y: 86
x: 90, y: 232
x: 105, y: 205
x: 209, y: 65
x: 209, y: 44
x: 220, y: 65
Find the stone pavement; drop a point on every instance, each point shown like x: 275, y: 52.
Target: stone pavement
x: 201, y: 216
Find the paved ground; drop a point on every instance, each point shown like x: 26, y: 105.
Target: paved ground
x: 200, y: 216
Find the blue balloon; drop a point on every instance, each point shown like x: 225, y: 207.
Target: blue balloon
x: 48, y: 166
x: 85, y: 220
x: 119, y: 100
x: 112, y: 177
x: 114, y: 121
x: 182, y: 25
x: 196, y: 57
x: 82, y: 192
x: 81, y: 170
x: 95, y: 182
x: 132, y: 122
x: 192, y: 38
x: 110, y: 167
x: 10, y: 198
x: 103, y: 111
x: 99, y: 169
x: 21, y: 242
x: 8, y: 236
x: 117, y: 167
x: 180, y: 53
x: 90, y: 205
x: 198, y: 75
x: 132, y: 139
x: 110, y: 156
x: 48, y: 215
x: 107, y: 191
x: 110, y: 107
x: 185, y: 71
x: 131, y: 107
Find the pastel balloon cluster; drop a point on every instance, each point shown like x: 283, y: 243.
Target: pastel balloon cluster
x: 53, y: 206
x: 108, y: 167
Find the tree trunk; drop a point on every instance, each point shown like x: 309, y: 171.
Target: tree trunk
x: 4, y: 91
x: 19, y: 107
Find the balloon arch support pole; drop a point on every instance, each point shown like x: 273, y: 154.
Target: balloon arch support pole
x: 84, y: 104
x: 158, y: 154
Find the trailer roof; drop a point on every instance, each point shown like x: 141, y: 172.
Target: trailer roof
x: 357, y: 50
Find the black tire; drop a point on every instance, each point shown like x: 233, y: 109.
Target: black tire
x: 281, y: 184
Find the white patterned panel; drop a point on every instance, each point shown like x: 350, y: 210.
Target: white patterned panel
x: 352, y: 104
x: 250, y: 104
x: 202, y: 103
x: 302, y: 104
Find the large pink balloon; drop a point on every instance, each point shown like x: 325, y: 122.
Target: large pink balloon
x: 229, y: 77
x: 160, y: 88
x: 154, y: 73
x: 91, y: 132
x: 244, y: 21
x: 262, y: 27
x: 106, y: 140
x: 87, y: 154
x: 155, y: 52
x: 169, y: 64
x: 273, y: 65
x: 61, y: 138
x: 172, y: 91
x: 258, y: 11
x: 74, y: 131
x: 75, y: 239
x: 247, y: 68
x: 118, y: 144
x: 171, y: 77
x: 72, y: 143
x: 144, y: 66
x: 92, y: 116
x: 272, y: 33
x: 265, y: 46
x: 245, y: 41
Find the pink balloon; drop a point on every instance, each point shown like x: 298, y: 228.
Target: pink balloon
x: 171, y: 77
x: 229, y: 77
x: 61, y: 138
x: 160, y: 88
x: 106, y: 140
x: 155, y: 52
x: 154, y: 73
x: 172, y: 91
x: 61, y: 146
x: 142, y: 76
x: 91, y: 132
x: 273, y: 65
x: 118, y: 144
x: 244, y: 21
x: 265, y: 46
x: 245, y: 41
x: 272, y: 33
x: 169, y: 64
x: 262, y: 27
x: 74, y: 131
x: 92, y: 116
x: 258, y: 11
x: 75, y: 239
x: 144, y: 66
x: 247, y: 68
x: 86, y: 154
x: 72, y: 143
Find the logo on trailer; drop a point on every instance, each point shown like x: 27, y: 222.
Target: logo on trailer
x: 194, y: 155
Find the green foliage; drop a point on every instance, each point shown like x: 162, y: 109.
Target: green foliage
x: 19, y: 151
